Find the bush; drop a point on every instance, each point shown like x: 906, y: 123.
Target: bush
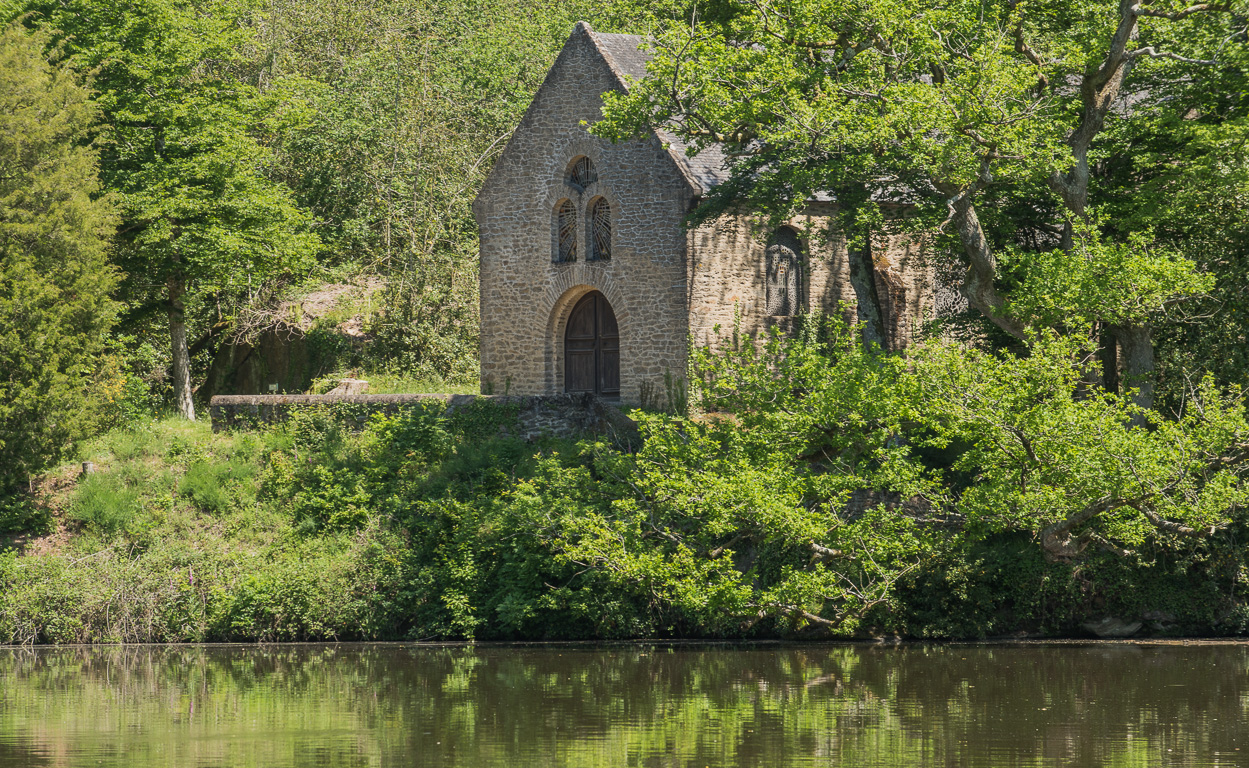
x: 421, y: 526
x: 106, y: 503
x: 215, y: 487
x: 20, y: 513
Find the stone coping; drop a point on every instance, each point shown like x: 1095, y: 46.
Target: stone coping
x: 221, y: 400
x: 562, y: 415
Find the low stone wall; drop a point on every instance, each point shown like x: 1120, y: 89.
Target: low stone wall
x: 568, y: 415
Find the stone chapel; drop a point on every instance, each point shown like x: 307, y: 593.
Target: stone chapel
x: 590, y: 282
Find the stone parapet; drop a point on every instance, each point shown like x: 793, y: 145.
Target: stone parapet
x: 567, y: 415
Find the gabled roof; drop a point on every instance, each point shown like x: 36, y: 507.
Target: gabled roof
x: 627, y: 61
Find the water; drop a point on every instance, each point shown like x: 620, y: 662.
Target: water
x: 765, y: 705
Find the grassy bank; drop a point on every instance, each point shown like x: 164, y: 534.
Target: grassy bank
x: 173, y: 538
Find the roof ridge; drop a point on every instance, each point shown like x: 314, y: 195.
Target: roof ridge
x: 625, y: 59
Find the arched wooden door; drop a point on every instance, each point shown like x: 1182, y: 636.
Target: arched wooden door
x: 592, y: 348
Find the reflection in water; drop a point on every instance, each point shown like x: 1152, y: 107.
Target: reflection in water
x: 829, y: 705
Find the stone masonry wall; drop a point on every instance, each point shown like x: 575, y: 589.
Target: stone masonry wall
x: 537, y: 416
x: 525, y: 297
x: 905, y: 283
x: 668, y: 286
x: 728, y: 272
x: 728, y: 276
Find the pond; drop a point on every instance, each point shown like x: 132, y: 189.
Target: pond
x: 1097, y: 704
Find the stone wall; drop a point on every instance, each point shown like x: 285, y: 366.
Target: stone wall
x: 905, y: 283
x: 728, y: 280
x: 728, y: 276
x: 552, y: 415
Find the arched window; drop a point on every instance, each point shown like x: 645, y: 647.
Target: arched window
x: 566, y: 231
x: 582, y: 172
x: 600, y: 227
x: 784, y: 273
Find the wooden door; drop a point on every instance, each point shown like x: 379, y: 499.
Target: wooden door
x: 592, y: 348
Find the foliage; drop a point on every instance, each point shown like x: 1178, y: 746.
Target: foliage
x: 55, y: 278
x: 20, y: 513
x: 1045, y: 143
x: 181, y: 153
x: 107, y: 503
x: 1006, y: 443
x: 179, y: 139
x: 397, y: 111
x: 1117, y: 283
x: 824, y: 490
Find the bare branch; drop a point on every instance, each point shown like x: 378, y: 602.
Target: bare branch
x: 1021, y: 46
x: 978, y: 284
x: 1109, y: 546
x: 1056, y: 538
x: 1171, y: 526
x: 1154, y: 54
x: 1185, y: 13
x: 824, y: 553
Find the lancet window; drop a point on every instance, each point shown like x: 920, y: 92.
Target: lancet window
x: 566, y: 231
x: 600, y: 225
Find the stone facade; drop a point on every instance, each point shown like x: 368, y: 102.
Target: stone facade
x: 667, y: 285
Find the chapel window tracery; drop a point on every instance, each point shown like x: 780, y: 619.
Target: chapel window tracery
x: 784, y: 276
x: 566, y: 231
x: 583, y: 173
x: 600, y: 225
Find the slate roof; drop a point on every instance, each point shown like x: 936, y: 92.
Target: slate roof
x: 622, y: 53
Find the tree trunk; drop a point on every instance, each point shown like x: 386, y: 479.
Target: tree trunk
x: 867, y: 300
x: 181, y: 353
x: 978, y: 284
x: 1136, y: 349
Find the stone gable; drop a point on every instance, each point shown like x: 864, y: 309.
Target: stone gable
x: 525, y: 296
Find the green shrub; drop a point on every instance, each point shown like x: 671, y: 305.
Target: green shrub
x: 105, y: 503
x: 482, y: 419
x: 483, y: 469
x: 130, y: 444
x: 332, y: 500
x: 316, y: 430
x: 215, y: 487
x: 415, y: 437
x: 20, y: 513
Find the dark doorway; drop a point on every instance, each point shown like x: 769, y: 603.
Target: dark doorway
x: 592, y: 348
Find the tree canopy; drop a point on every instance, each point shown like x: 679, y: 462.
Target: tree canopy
x: 1008, y: 125
x: 55, y: 275
x: 182, y: 152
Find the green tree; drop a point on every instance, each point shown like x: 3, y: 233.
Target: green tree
x: 944, y: 107
x: 55, y: 278
x: 988, y: 442
x: 182, y: 151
